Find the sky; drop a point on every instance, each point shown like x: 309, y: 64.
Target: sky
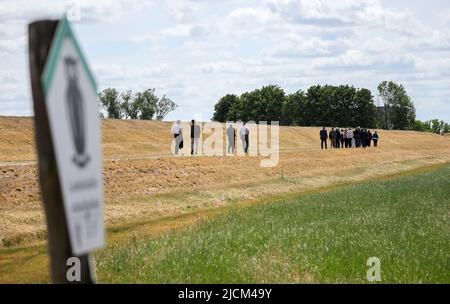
x: 196, y: 51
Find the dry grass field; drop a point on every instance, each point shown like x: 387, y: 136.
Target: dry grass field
x: 144, y: 182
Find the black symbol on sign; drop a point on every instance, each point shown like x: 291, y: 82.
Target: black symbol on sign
x: 76, y: 113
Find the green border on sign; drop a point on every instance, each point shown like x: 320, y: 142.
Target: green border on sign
x: 63, y: 31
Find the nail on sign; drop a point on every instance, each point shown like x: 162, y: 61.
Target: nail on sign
x: 73, y: 111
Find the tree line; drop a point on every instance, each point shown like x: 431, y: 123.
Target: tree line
x: 433, y: 125
x: 145, y: 105
x: 321, y: 106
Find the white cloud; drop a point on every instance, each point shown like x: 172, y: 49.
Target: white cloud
x: 195, y: 51
x: 184, y: 30
x: 248, y: 16
x: 222, y: 67
x: 112, y: 74
x: 12, y: 46
x: 184, y: 11
x: 9, y: 76
x: 298, y: 46
x: 353, y: 58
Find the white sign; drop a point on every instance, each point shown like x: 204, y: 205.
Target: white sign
x: 73, y: 112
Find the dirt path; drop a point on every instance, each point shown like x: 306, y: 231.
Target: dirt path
x: 27, y: 162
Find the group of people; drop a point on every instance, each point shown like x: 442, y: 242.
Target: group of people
x: 177, y: 132
x: 339, y: 138
x: 244, y: 135
x: 348, y: 138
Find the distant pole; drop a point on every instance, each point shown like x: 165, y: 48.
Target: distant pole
x: 40, y: 36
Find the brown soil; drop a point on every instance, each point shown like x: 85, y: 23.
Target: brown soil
x: 142, y: 180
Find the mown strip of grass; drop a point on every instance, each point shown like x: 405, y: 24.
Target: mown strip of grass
x: 323, y: 237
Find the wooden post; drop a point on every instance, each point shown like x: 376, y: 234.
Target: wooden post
x: 40, y: 37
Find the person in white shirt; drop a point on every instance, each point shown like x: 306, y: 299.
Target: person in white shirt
x: 349, y: 138
x: 177, y: 131
x: 243, y: 132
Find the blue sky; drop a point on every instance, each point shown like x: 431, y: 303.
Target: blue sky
x: 196, y: 51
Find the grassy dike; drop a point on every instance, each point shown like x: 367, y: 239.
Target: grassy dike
x: 159, y: 244
x: 322, y: 237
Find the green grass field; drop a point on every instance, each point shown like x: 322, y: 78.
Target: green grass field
x: 322, y: 237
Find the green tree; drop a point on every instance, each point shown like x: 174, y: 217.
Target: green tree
x: 263, y: 104
x: 438, y: 126
x: 130, y: 108
x: 446, y: 128
x: 111, y: 103
x: 140, y: 105
x: 364, y: 113
x: 271, y: 100
x: 420, y: 126
x: 163, y: 107
x: 293, y: 108
x: 234, y: 111
x: 399, y: 109
x: 319, y: 106
x: 249, y: 103
x: 146, y: 103
x: 350, y: 102
x: 223, y: 107
x: 318, y: 110
x: 435, y: 125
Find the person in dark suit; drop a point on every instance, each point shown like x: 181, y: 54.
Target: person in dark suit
x: 195, y: 137
x: 376, y: 137
x: 332, y: 137
x: 369, y: 138
x: 323, y: 138
x: 364, y: 138
x: 338, y: 138
x: 231, y: 134
x: 357, y: 135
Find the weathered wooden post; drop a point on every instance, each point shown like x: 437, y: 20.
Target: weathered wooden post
x: 68, y: 146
